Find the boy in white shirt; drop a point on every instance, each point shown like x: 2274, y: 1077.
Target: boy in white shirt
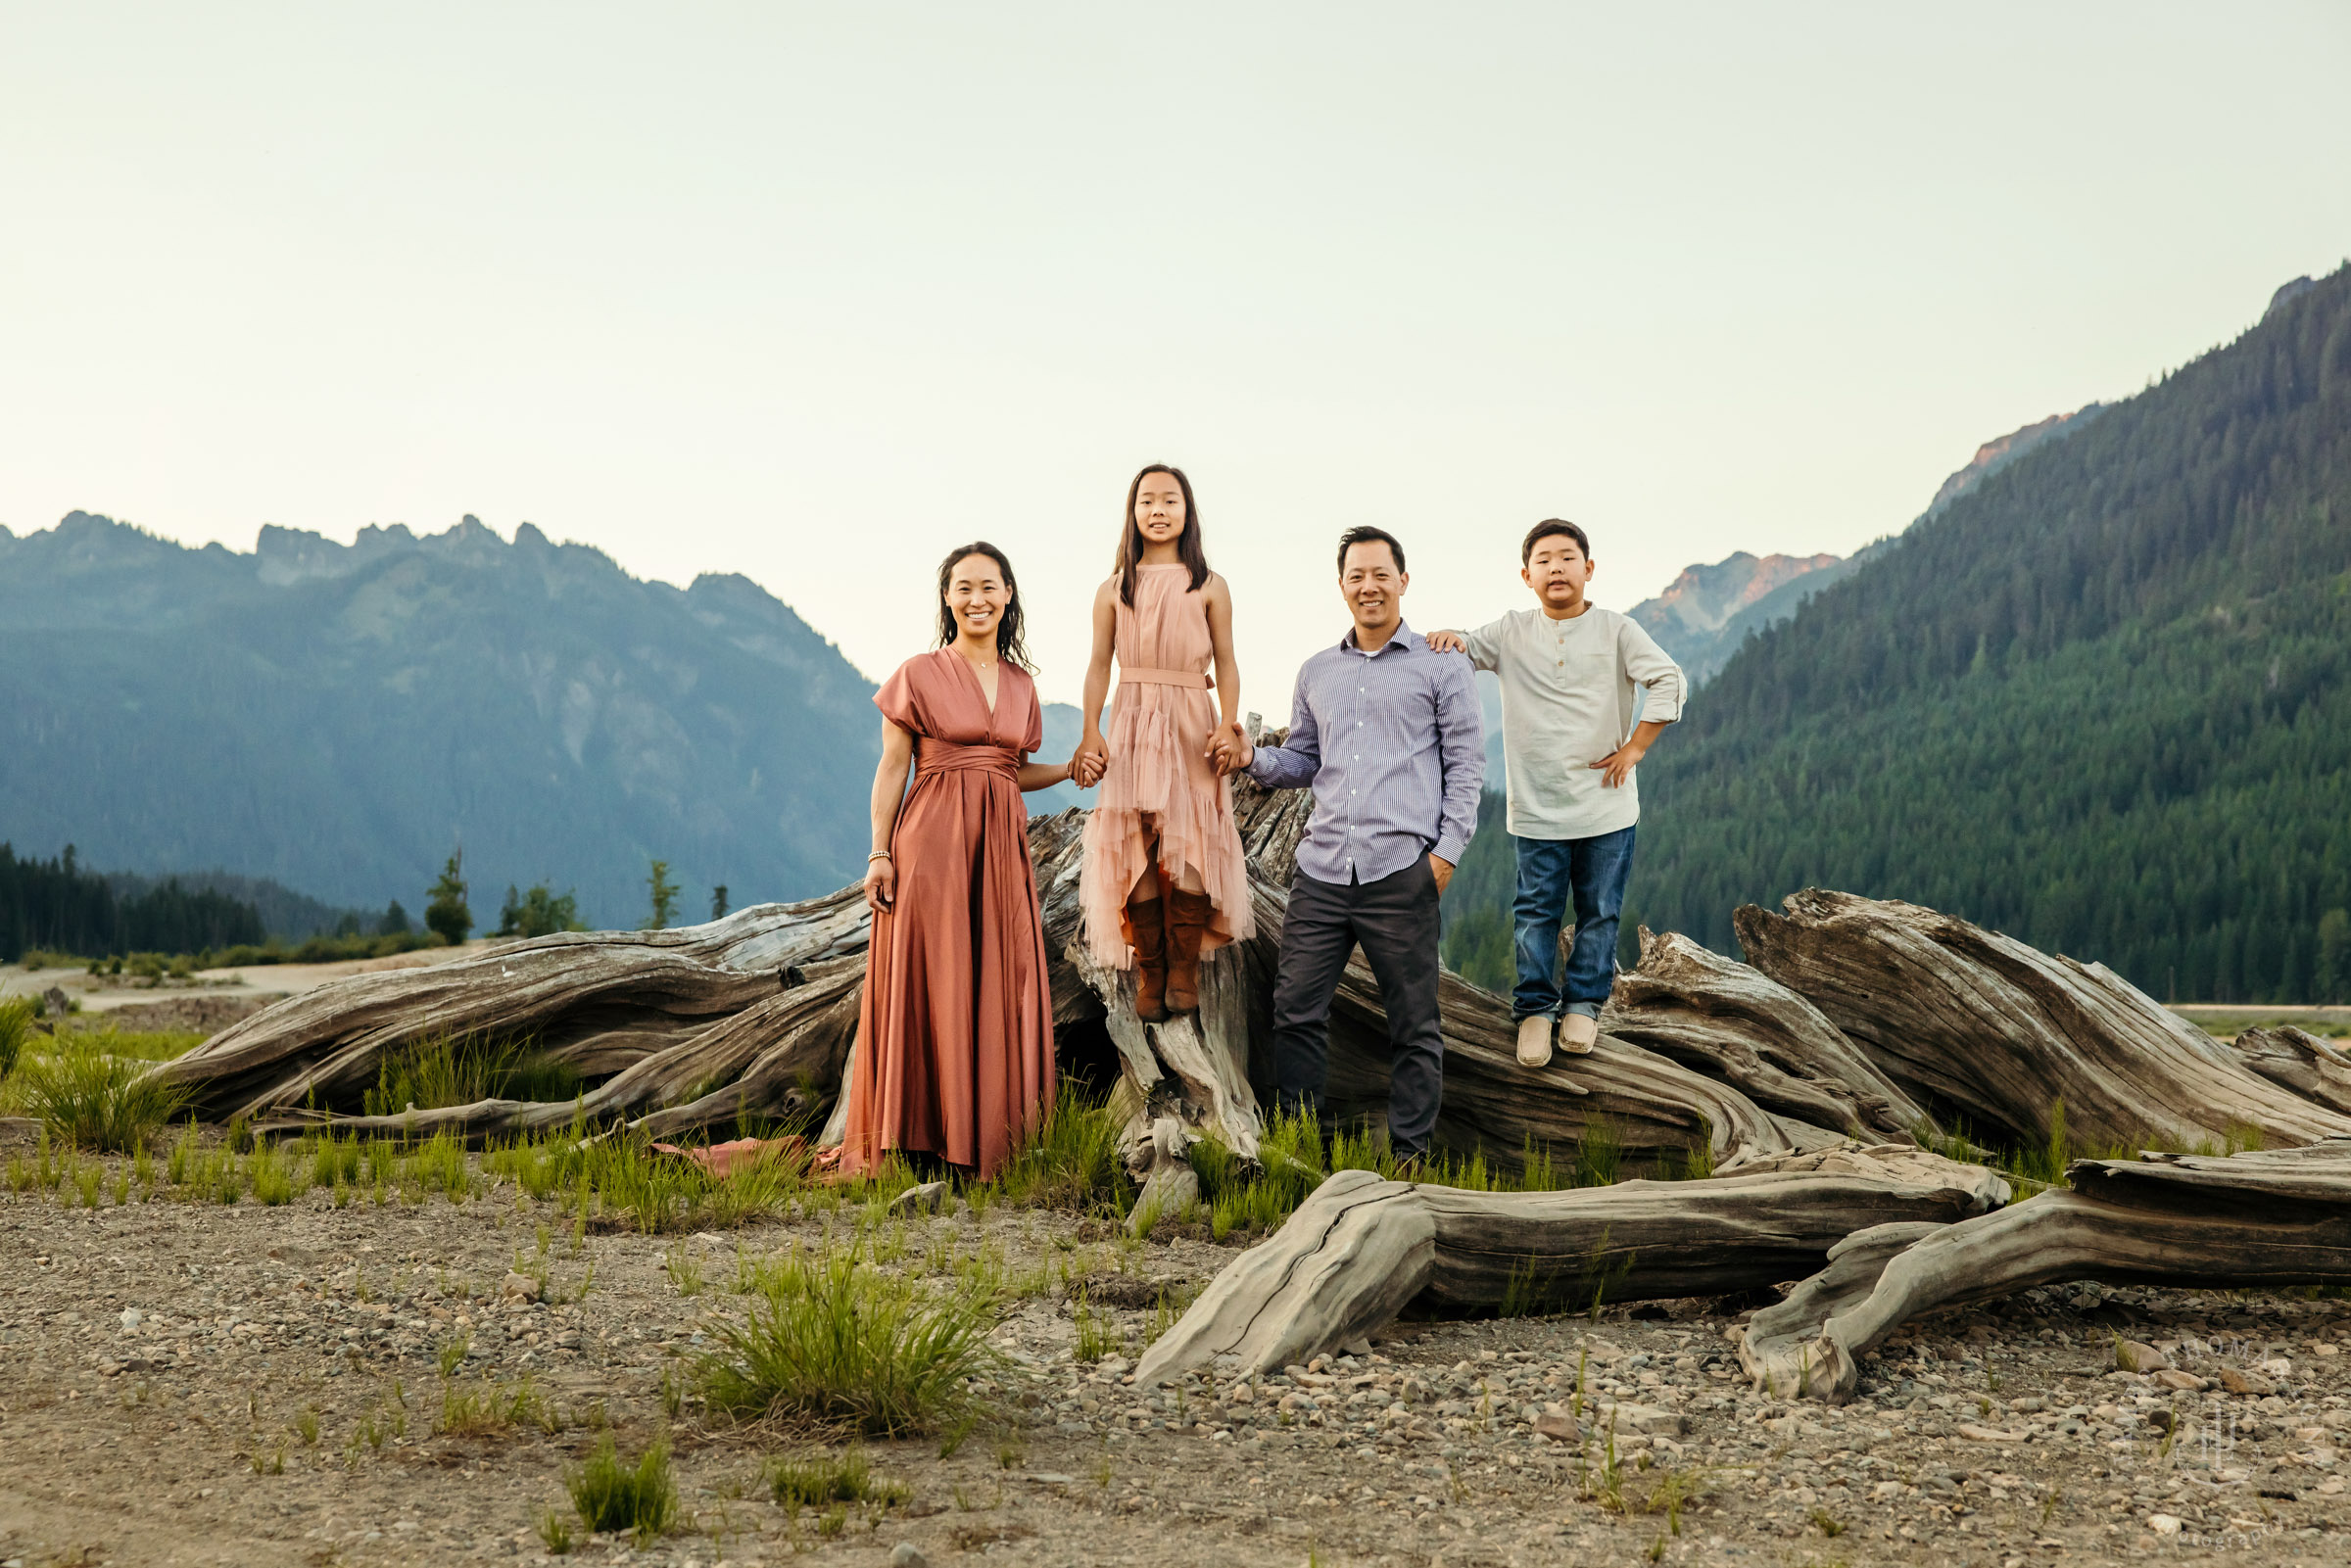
x: 1571, y: 672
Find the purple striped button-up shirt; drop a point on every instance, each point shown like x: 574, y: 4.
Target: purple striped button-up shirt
x: 1394, y: 747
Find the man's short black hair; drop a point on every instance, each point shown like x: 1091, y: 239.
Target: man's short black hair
x: 1548, y: 528
x: 1368, y: 535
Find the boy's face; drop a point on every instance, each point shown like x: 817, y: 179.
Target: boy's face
x: 1557, y: 571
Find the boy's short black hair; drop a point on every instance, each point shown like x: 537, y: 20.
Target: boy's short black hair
x: 1545, y: 528
x: 1367, y: 535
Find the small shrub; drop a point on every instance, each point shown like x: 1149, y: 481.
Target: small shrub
x: 852, y: 1348
x: 92, y: 1099
x: 611, y: 1496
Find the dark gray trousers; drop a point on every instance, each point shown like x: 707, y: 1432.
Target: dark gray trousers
x: 1394, y: 919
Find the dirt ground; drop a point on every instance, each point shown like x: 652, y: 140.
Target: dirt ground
x: 191, y: 1383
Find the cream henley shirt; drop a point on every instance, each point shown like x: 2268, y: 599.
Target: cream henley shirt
x: 1569, y: 690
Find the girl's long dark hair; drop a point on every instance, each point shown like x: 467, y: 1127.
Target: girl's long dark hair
x: 1187, y: 543
x: 1009, y: 647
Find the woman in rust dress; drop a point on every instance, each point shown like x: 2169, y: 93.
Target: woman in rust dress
x: 954, y: 1054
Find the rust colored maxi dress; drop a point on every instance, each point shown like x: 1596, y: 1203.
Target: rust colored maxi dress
x: 954, y: 1049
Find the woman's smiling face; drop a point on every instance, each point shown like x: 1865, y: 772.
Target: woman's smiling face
x: 976, y: 595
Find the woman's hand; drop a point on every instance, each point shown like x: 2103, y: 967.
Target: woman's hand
x: 1089, y: 762
x: 881, y: 884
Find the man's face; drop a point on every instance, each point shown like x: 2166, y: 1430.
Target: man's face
x: 1557, y: 571
x: 1373, y: 585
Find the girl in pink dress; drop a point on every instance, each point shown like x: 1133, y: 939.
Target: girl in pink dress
x: 1165, y: 879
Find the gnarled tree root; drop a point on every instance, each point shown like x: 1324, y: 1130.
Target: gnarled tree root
x: 1360, y: 1248
x: 2275, y: 1218
x: 1999, y: 1032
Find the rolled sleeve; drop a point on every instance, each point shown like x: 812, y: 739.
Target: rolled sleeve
x: 1650, y: 667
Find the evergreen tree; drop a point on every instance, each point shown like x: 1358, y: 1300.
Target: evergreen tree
x: 718, y: 902
x: 394, y: 922
x: 665, y: 898
x: 446, y: 912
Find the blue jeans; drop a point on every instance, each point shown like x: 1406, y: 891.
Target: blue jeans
x: 1551, y: 869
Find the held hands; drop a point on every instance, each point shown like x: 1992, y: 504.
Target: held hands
x: 1229, y: 750
x: 1447, y: 643
x: 881, y: 884
x: 1621, y: 764
x: 1089, y: 762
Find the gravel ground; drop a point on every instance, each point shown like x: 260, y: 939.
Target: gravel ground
x: 163, y: 1366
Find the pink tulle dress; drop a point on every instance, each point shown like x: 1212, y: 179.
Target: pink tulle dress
x: 1159, y: 724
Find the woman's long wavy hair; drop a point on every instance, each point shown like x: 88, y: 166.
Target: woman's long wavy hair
x: 1187, y: 543
x: 1009, y: 647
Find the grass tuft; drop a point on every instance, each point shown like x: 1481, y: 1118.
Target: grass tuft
x: 454, y: 1069
x: 827, y: 1479
x: 850, y: 1347
x: 612, y: 1495
x: 92, y: 1099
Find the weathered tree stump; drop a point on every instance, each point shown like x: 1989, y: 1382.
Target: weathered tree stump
x: 1979, y: 1025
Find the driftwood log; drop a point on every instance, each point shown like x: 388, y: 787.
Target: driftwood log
x: 1359, y: 1249
x: 2276, y: 1218
x: 1722, y: 1018
x: 2301, y: 1062
x: 1983, y: 1028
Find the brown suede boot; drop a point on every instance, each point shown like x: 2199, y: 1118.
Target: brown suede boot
x: 1187, y: 924
x: 1149, y: 923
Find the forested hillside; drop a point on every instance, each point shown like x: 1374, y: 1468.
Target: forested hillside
x: 2101, y: 701
x: 340, y: 718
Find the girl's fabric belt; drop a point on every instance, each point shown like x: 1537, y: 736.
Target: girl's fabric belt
x: 1197, y: 679
x: 968, y: 759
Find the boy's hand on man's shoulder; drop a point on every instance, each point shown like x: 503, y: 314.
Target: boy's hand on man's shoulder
x: 1447, y: 641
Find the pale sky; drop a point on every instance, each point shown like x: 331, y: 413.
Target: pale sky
x: 813, y: 293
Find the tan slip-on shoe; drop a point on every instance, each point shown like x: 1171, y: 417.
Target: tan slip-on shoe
x: 1577, y: 1032
x: 1534, y: 1040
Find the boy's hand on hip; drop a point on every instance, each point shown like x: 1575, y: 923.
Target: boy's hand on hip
x: 1441, y: 868
x: 1619, y: 764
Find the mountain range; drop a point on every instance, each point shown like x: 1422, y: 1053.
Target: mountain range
x: 1708, y: 613
x: 339, y: 719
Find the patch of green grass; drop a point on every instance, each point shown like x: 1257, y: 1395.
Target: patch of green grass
x: 1072, y: 1161
x: 612, y: 1495
x: 846, y: 1346
x: 455, y: 1069
x: 92, y: 1099
x: 827, y: 1478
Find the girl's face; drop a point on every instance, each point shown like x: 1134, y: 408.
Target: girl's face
x: 976, y: 595
x: 1159, y: 510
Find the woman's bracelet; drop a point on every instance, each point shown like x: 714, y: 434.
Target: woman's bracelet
x: 878, y: 854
